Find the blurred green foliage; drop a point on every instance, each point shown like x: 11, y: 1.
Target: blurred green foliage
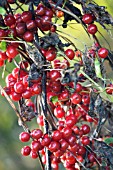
x: 10, y: 146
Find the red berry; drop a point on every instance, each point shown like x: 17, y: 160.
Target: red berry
x: 86, y: 99
x: 85, y: 128
x: 21, y: 28
x: 9, y: 20
x: 70, y: 54
x: 59, y: 112
x: 85, y: 140
x: 36, y: 88
x: 56, y: 135
x: 87, y: 18
x: 40, y: 10
x: 92, y: 157
x: 25, y: 151
x: 37, y: 134
x: 35, y: 146
x: 92, y: 28
x: 24, y: 137
x: 31, y: 24
x: 67, y: 132
x: 15, y: 96
x: 28, y: 36
x: 33, y: 154
x: 46, y: 141
x: 76, y: 98
x: 11, y: 51
x: 26, y: 16
x: 19, y: 87
x: 71, y: 120
x: 27, y: 94
x: 81, y: 150
x: 54, y: 146
x: 55, y: 75
x: 50, y: 55
x: 63, y: 144
x: 102, y: 52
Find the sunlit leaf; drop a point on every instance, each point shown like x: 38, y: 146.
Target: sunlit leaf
x: 108, y: 140
x: 97, y: 68
x: 3, y: 46
x: 54, y: 99
x: 2, y: 11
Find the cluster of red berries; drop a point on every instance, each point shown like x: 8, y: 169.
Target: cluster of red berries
x: 68, y: 143
x: 65, y: 144
x: 17, y: 85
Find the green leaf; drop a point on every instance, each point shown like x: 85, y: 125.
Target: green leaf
x: 3, y: 46
x: 97, y: 68
x: 2, y: 11
x: 54, y: 99
x: 108, y: 140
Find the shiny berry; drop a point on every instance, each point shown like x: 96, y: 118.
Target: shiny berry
x: 25, y: 151
x: 70, y: 54
x: 24, y: 137
x: 102, y: 52
x: 76, y: 98
x: 92, y: 29
x: 87, y: 18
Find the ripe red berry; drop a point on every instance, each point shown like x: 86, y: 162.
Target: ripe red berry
x: 55, y: 75
x: 63, y: 144
x: 50, y: 55
x: 24, y: 136
x: 92, y: 29
x: 71, y: 120
x: 21, y: 28
x: 25, y: 151
x: 92, y: 157
x: 87, y: 18
x: 31, y: 24
x: 76, y: 98
x: 67, y: 132
x: 9, y: 20
x: 102, y: 52
x: 54, y: 146
x: 85, y: 140
x: 11, y: 51
x: 26, y: 16
x: 33, y: 154
x: 19, y: 87
x: 81, y: 150
x: 85, y: 128
x: 15, y: 96
x: 35, y: 146
x: 56, y: 135
x: 40, y: 10
x: 86, y: 99
x: 46, y: 141
x: 37, y: 134
x: 70, y: 54
x: 27, y: 94
x: 28, y: 36
x: 59, y: 112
